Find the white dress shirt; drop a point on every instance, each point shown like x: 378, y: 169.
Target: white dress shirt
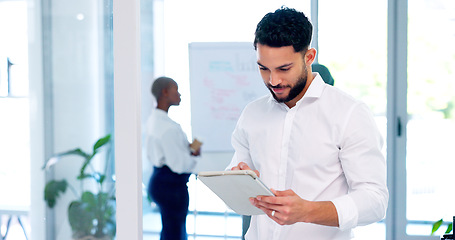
x: 167, y: 144
x: 326, y: 148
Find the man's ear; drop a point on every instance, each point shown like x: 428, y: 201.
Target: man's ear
x: 310, y: 56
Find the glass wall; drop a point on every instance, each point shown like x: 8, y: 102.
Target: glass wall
x: 78, y: 70
x: 176, y: 24
x: 14, y: 119
x: 353, y: 46
x: 56, y: 94
x: 431, y: 114
x: 71, y: 107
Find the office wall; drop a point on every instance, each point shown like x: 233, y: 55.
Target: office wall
x: 67, y: 99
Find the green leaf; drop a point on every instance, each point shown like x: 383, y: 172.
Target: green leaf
x: 89, y: 199
x: 83, y: 176
x: 88, y: 159
x: 56, y: 158
x: 103, y: 200
x: 80, y: 219
x: 52, y: 190
x: 76, y: 151
x: 449, y: 228
x: 101, y: 142
x: 101, y: 179
x: 96, y: 146
x: 436, y: 226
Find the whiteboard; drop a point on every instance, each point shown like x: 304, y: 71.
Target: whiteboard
x: 224, y: 77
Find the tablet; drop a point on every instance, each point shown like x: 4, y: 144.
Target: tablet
x: 235, y: 188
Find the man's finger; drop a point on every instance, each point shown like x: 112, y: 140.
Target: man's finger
x: 288, y: 192
x: 244, y: 166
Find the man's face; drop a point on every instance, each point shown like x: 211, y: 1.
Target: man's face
x: 283, y: 71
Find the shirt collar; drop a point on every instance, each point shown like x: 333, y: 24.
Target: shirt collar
x: 314, y: 90
x: 316, y: 87
x: 160, y: 112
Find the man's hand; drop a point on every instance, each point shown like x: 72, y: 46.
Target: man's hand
x: 244, y: 166
x: 287, y: 208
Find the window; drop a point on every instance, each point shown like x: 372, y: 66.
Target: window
x: 71, y: 91
x: 14, y: 118
x: 72, y: 72
x: 178, y: 23
x: 353, y: 45
x: 431, y: 114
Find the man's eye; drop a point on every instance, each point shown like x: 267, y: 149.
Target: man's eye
x: 284, y: 69
x: 263, y: 68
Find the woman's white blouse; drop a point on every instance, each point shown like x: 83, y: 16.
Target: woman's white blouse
x: 167, y: 144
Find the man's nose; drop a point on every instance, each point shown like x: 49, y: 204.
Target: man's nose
x: 274, y: 79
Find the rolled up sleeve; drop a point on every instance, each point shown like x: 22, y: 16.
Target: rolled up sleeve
x: 365, y: 169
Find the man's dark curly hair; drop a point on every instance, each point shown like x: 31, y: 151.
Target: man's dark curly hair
x: 284, y: 27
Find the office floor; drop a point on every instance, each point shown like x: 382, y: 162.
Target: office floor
x: 200, y: 226
x: 216, y: 227
x: 209, y: 227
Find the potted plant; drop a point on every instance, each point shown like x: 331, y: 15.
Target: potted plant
x: 437, y: 225
x: 92, y: 214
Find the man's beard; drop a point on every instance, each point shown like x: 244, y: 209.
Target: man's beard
x: 294, y: 92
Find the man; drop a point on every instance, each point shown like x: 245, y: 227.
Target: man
x: 172, y: 157
x: 316, y: 147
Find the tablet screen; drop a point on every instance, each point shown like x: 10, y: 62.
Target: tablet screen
x: 235, y: 188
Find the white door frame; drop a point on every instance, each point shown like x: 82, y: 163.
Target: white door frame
x: 127, y: 118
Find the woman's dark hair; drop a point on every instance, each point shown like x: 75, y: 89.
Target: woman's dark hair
x: 284, y: 27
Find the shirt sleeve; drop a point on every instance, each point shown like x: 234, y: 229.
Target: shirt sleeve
x: 177, y: 152
x: 240, y: 144
x: 365, y: 169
